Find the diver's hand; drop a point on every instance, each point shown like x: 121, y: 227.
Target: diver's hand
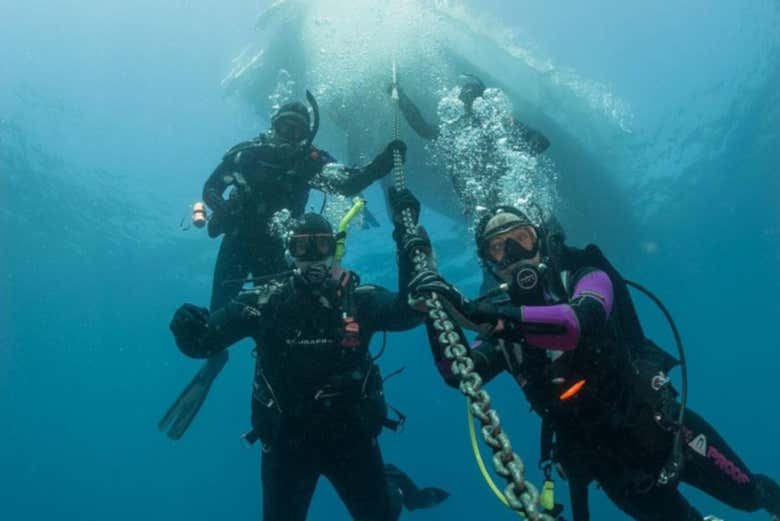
x: 401, y: 200
x: 428, y: 281
x: 394, y: 145
x: 410, y: 243
x: 189, y: 325
x: 394, y: 85
x: 384, y: 162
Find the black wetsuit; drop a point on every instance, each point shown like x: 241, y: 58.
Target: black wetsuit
x: 266, y: 177
x: 318, y: 403
x: 617, y: 429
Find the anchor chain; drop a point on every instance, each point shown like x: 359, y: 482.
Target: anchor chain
x: 521, y: 495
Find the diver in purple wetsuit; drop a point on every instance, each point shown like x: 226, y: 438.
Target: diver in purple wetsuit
x: 569, y: 335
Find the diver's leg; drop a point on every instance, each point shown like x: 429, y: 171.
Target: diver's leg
x: 357, y: 472
x: 713, y: 467
x: 289, y: 474
x: 578, y: 494
x: 659, y: 504
x: 412, y: 496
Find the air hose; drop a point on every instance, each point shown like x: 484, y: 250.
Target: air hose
x: 520, y: 495
x: 672, y: 469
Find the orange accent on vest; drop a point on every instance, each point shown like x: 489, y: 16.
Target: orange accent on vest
x: 573, y: 390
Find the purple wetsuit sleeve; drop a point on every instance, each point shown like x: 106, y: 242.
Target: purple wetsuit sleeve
x: 560, y: 326
x: 596, y: 284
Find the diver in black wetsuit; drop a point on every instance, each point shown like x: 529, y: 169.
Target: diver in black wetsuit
x: 570, y: 337
x: 521, y: 137
x: 271, y: 172
x: 318, y: 403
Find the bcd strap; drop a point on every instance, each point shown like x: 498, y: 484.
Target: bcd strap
x: 547, y: 454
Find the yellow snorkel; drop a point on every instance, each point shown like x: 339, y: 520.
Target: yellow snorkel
x: 341, y: 234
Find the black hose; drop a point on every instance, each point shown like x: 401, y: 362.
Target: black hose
x: 683, y: 361
x: 381, y: 349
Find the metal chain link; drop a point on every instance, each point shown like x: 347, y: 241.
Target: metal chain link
x: 522, y: 496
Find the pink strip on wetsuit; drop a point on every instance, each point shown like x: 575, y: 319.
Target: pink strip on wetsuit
x: 596, y: 285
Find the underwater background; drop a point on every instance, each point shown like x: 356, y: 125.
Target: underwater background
x: 112, y: 115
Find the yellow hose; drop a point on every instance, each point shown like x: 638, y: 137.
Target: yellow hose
x: 547, y: 497
x: 480, y: 463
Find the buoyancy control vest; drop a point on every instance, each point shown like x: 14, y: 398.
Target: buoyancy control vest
x: 266, y: 177
x: 607, y: 382
x: 317, y: 369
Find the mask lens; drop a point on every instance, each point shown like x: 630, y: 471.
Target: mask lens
x: 325, y: 245
x: 299, y: 245
x: 290, y: 130
x: 312, y: 247
x: 523, y: 236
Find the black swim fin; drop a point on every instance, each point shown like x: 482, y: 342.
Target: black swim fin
x: 413, y: 497
x: 183, y: 411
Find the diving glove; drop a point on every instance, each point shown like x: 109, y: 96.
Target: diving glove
x: 401, y: 200
x: 182, y: 412
x: 189, y: 325
x: 428, y: 281
x: 384, y: 162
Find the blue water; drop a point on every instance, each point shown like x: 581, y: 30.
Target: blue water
x: 111, y: 117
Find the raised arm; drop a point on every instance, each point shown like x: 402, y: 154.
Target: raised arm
x: 349, y: 181
x: 393, y: 311
x: 219, y: 181
x: 414, y: 117
x: 224, y: 175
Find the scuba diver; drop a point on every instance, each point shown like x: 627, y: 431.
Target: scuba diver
x: 318, y: 403
x: 471, y: 87
x: 567, y: 331
x: 520, y: 138
x: 267, y: 174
